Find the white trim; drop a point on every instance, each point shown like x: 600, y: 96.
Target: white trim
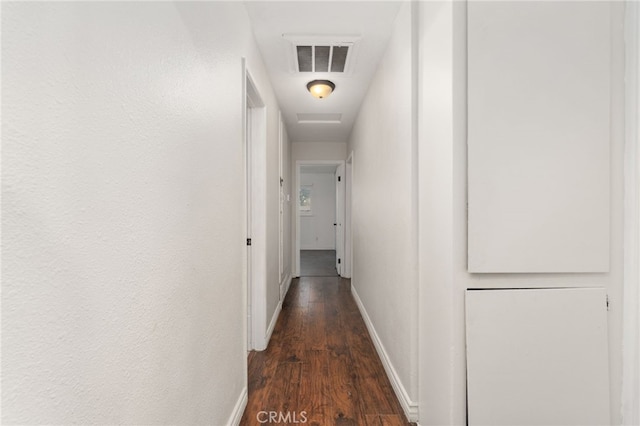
x: 272, y: 324
x: 631, y: 316
x: 281, y: 197
x: 246, y: 260
x: 296, y: 209
x: 274, y: 319
x: 238, y: 410
x: 348, y: 225
x: 284, y: 287
x: 410, y: 407
x: 257, y: 229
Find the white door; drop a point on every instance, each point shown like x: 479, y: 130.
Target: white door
x: 537, y: 357
x: 339, y: 228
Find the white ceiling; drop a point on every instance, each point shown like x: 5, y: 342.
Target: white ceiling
x: 370, y: 21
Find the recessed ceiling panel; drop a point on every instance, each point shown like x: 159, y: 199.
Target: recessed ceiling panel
x: 319, y: 118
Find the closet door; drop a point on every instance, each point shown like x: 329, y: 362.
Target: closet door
x: 537, y: 357
x: 538, y: 136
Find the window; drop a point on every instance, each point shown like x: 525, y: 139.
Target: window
x: 305, y: 199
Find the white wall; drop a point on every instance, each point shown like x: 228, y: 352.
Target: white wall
x: 442, y: 388
x: 122, y: 213
x: 443, y: 217
x: 318, y: 151
x: 316, y: 229
x: 384, y: 209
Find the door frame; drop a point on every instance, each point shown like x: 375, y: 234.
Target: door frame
x: 348, y: 193
x: 339, y: 226
x: 254, y: 116
x: 631, y: 287
x: 296, y: 206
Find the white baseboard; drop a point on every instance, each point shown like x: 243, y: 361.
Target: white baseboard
x: 284, y: 288
x: 272, y: 324
x: 276, y: 313
x: 238, y: 410
x: 410, y: 408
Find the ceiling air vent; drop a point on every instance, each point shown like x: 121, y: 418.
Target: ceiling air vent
x: 322, y: 58
x: 322, y: 53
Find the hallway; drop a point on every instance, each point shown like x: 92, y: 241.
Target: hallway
x: 475, y: 165
x: 321, y: 361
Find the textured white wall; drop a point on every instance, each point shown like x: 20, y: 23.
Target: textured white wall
x: 316, y: 230
x: 317, y: 151
x: 383, y: 232
x: 122, y: 211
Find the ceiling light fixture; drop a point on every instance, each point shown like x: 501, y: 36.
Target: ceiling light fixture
x: 320, y: 88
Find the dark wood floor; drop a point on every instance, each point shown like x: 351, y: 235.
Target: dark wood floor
x: 322, y: 361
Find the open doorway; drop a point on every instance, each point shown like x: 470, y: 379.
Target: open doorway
x: 319, y: 213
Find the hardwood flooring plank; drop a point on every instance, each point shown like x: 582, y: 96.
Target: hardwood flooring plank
x: 285, y: 387
x: 316, y: 291
x: 298, y: 294
x: 343, y: 393
x: 314, y: 387
x: 392, y: 420
x: 314, y: 327
x: 336, y: 341
x: 373, y: 420
x: 292, y: 343
x: 261, y: 372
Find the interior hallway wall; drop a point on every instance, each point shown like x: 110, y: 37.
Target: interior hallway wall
x: 443, y: 218
x: 317, y: 151
x: 122, y: 214
x: 384, y: 207
x: 317, y: 231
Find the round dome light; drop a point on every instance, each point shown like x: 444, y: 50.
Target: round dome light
x: 320, y: 88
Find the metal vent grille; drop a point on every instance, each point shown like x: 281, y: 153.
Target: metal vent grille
x: 305, y: 58
x: 322, y: 58
x: 339, y: 58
